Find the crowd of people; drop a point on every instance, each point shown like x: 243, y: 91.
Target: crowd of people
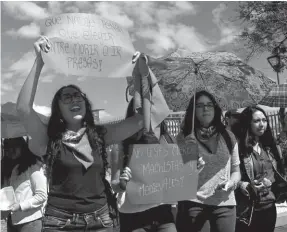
x: 60, y: 181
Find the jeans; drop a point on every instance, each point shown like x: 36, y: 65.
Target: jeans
x: 33, y: 226
x: 158, y: 219
x: 263, y: 221
x: 192, y: 216
x: 56, y: 220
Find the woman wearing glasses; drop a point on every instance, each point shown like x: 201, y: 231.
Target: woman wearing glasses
x: 219, y: 177
x: 79, y: 198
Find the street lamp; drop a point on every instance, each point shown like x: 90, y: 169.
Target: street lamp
x: 278, y: 54
x: 275, y: 62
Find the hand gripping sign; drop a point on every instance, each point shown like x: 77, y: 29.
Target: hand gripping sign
x: 87, y: 45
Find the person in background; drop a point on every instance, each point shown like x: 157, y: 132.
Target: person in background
x: 232, y: 121
x: 260, y: 161
x: 11, y: 152
x: 282, y: 138
x: 80, y: 198
x: 138, y: 217
x: 218, y: 179
x: 30, y: 187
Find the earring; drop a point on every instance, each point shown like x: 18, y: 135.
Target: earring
x: 61, y: 120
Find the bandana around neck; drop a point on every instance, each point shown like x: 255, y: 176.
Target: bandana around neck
x: 206, y: 133
x: 78, y: 141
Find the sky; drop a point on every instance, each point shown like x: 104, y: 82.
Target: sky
x: 155, y: 28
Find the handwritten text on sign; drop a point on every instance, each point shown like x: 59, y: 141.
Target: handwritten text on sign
x: 87, y: 45
x: 160, y: 174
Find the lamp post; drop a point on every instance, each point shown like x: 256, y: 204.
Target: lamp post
x: 275, y: 62
x: 278, y: 54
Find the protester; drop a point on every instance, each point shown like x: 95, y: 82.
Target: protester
x: 232, y: 121
x: 11, y: 151
x: 139, y: 217
x: 260, y: 163
x: 80, y: 197
x: 218, y: 179
x: 30, y: 187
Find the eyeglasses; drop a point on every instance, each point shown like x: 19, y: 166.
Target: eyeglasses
x: 68, y: 98
x: 201, y: 106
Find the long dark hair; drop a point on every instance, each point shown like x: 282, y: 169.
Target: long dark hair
x: 247, y: 138
x: 282, y: 116
x: 96, y: 133
x: 7, y: 163
x: 24, y: 161
x: 57, y: 124
x: 216, y: 122
x: 133, y: 139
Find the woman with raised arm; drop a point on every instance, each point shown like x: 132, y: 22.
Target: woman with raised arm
x: 218, y: 179
x: 79, y: 198
x: 261, y: 168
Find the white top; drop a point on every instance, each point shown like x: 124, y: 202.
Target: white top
x: 31, y: 192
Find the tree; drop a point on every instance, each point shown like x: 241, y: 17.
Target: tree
x: 265, y: 28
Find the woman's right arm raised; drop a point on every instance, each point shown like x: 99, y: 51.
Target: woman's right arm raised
x: 32, y: 123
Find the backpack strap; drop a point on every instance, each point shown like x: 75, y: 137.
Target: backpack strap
x: 169, y: 138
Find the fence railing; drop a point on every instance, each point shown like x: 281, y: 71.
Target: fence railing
x: 275, y: 124
x: 174, y: 121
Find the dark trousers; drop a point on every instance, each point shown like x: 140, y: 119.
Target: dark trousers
x: 192, y: 216
x: 263, y: 221
x: 56, y: 220
x: 33, y: 226
x: 158, y: 219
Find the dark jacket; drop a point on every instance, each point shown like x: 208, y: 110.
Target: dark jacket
x: 257, y: 200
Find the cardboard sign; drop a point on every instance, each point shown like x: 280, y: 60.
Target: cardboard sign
x: 87, y: 45
x: 162, y: 174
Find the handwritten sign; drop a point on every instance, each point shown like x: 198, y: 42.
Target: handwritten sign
x: 162, y: 174
x: 87, y: 45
